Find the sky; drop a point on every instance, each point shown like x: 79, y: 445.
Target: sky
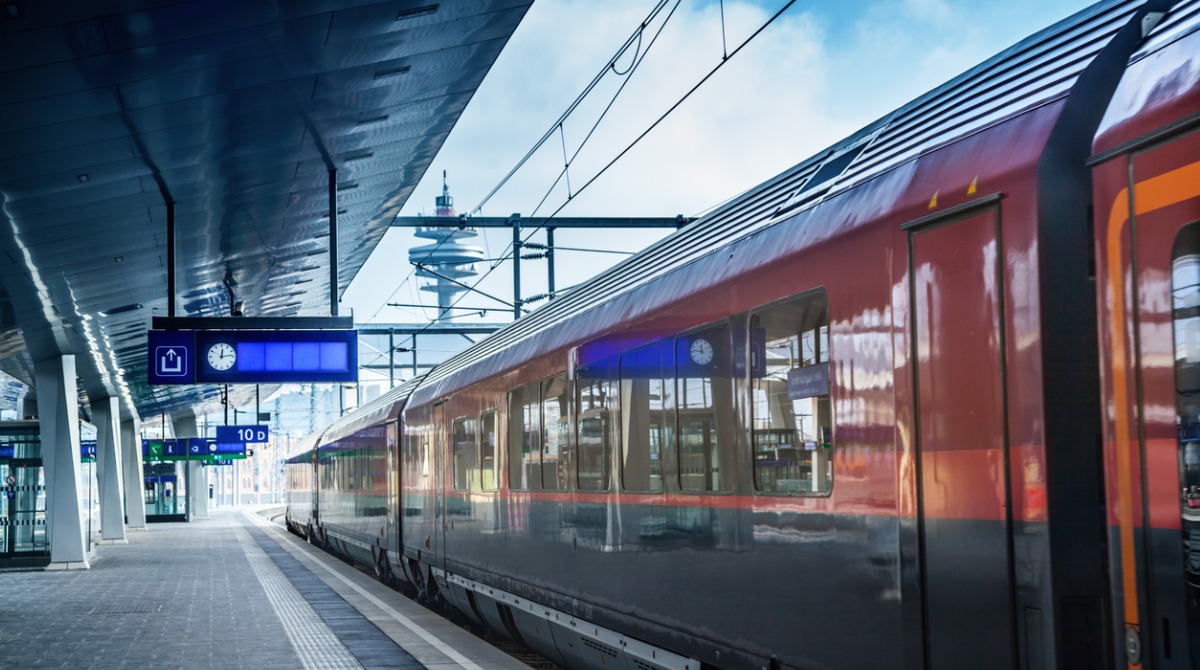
x: 820, y: 71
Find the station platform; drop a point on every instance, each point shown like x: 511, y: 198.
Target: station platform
x: 231, y: 591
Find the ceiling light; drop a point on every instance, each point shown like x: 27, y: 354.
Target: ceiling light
x: 13, y: 11
x: 82, y: 178
x: 392, y: 72
x: 348, y: 187
x: 118, y: 259
x: 370, y: 121
x: 361, y: 156
x: 415, y: 12
x: 122, y: 309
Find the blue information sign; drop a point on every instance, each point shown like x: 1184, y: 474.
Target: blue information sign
x: 243, y: 434
x: 252, y: 356
x: 7, y: 450
x: 172, y: 356
x: 175, y: 448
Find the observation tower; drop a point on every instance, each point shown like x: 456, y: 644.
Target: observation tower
x: 448, y: 258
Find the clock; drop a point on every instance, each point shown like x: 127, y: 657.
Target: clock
x: 221, y: 356
x: 701, y: 351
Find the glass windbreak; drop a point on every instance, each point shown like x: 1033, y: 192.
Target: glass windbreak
x: 523, y: 437
x: 706, y: 416
x: 792, y: 424
x: 643, y: 418
x: 22, y: 491
x: 1185, y: 298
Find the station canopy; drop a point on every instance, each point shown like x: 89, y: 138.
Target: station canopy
x: 233, y: 111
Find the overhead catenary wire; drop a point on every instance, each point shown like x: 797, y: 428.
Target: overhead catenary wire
x: 727, y: 56
x: 507, y: 254
x: 634, y: 40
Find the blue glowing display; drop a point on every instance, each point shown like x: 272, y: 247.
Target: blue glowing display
x: 252, y: 356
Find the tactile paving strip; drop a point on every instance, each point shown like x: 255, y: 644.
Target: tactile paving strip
x: 315, y: 644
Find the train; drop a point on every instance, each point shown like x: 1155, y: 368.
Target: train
x: 928, y: 399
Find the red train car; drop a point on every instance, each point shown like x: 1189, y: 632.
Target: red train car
x: 1147, y: 203
x: 929, y: 399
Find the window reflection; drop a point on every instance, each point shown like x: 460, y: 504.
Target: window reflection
x: 792, y: 416
x: 1185, y: 290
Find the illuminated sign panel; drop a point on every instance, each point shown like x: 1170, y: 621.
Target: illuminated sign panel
x: 252, y: 356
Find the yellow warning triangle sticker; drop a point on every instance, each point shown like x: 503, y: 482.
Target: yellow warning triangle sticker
x: 933, y: 200
x: 974, y: 186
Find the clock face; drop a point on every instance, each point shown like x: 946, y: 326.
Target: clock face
x: 221, y: 356
x: 701, y: 351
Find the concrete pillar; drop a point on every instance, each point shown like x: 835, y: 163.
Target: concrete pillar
x: 197, y: 479
x: 59, y: 424
x: 106, y: 413
x: 134, y: 481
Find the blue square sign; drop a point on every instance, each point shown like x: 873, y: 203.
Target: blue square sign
x: 172, y: 357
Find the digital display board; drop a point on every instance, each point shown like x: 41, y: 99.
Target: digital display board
x: 252, y: 356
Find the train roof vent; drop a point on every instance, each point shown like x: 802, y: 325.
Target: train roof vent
x: 822, y: 180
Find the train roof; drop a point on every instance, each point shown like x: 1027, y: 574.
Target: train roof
x: 305, y: 447
x: 1163, y: 74
x: 1037, y: 71
x: 384, y: 408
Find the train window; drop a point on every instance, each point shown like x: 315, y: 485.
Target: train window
x: 556, y: 456
x: 790, y: 400
x: 465, y: 448
x: 1185, y: 299
x: 643, y: 412
x: 705, y: 412
x: 488, y: 476
x: 523, y: 437
x: 596, y: 427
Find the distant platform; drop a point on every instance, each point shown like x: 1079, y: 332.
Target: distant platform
x: 230, y: 591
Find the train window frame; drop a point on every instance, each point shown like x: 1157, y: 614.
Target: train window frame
x: 564, y: 466
x: 678, y: 408
x: 823, y: 435
x: 531, y: 456
x: 628, y: 414
x: 471, y: 430
x: 481, y: 441
x: 609, y: 413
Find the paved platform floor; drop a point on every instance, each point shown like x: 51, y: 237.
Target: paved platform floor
x: 230, y: 591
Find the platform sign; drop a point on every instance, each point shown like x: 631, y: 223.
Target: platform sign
x: 7, y: 450
x: 152, y: 450
x: 243, y: 434
x: 252, y: 356
x: 175, y: 450
x: 87, y: 451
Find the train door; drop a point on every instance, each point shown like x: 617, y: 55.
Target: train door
x: 961, y: 447
x: 441, y: 517
x: 1149, y: 236
x: 393, y: 472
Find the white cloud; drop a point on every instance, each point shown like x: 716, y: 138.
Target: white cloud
x: 819, y: 73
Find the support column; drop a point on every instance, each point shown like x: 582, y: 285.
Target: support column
x: 135, y: 482
x: 197, y: 477
x: 106, y: 412
x: 59, y: 425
